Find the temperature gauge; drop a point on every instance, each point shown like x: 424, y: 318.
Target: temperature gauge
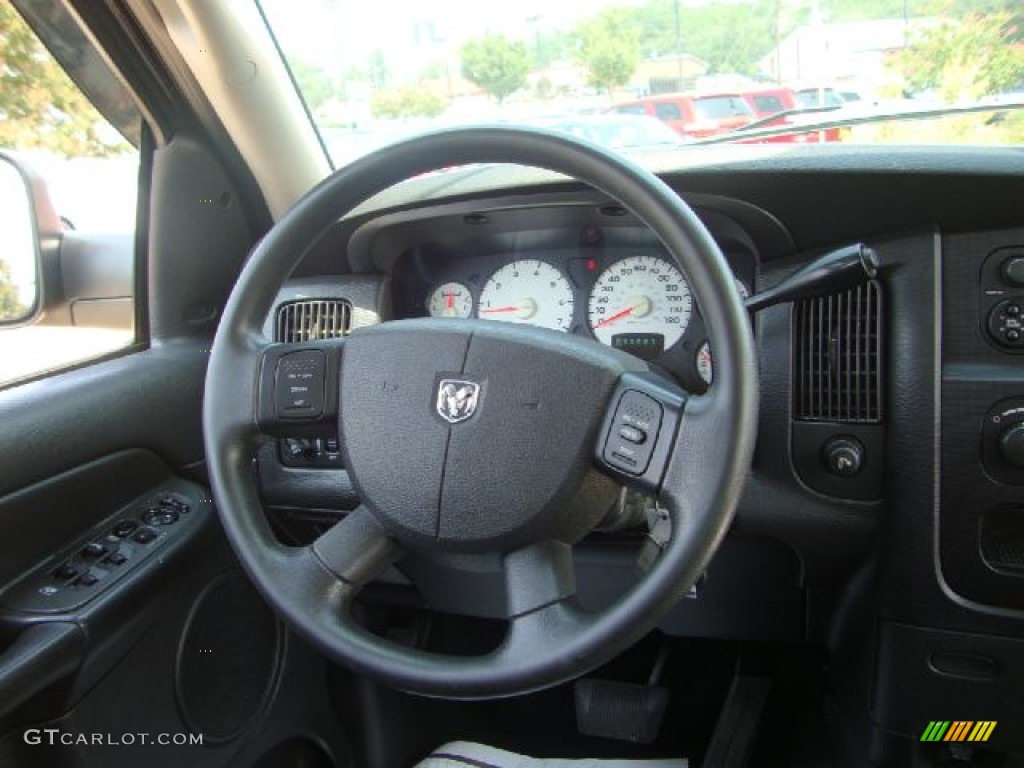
x: 451, y: 300
x: 705, y: 368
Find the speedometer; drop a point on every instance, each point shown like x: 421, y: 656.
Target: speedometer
x: 640, y: 297
x: 528, y: 291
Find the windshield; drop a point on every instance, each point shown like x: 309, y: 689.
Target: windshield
x: 372, y: 73
x: 716, y: 107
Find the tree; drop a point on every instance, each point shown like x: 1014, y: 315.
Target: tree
x: 730, y: 37
x: 608, y: 45
x: 964, y: 60
x: 314, y: 82
x: 40, y: 108
x: 378, y: 70
x: 411, y: 101
x: 11, y: 307
x: 496, y: 65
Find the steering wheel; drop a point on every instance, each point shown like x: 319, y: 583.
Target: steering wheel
x: 470, y: 436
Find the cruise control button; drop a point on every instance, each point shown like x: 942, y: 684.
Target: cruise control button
x: 632, y: 434
x: 117, y: 558
x: 624, y: 459
x: 299, y: 384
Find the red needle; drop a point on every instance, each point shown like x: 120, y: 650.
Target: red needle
x: 451, y: 298
x: 501, y: 309
x: 613, y: 318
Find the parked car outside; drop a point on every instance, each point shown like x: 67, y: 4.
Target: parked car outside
x: 694, y: 116
x: 616, y: 131
x: 766, y: 102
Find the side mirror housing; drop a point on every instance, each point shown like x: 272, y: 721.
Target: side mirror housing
x: 27, y: 213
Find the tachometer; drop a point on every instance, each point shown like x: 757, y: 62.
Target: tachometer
x: 450, y: 300
x: 640, y: 295
x: 528, y: 291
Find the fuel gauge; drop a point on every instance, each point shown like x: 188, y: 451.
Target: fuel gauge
x: 451, y: 300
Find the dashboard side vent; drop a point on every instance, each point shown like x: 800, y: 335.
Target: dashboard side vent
x: 312, y: 320
x: 838, y: 356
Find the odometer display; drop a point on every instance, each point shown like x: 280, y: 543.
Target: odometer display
x: 646, y: 346
x: 640, y: 295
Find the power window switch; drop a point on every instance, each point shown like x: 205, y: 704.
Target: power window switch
x: 144, y: 535
x: 94, y: 549
x: 117, y: 558
x: 65, y: 571
x: 87, y: 579
x: 124, y: 528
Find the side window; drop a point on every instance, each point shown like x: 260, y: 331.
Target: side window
x: 66, y: 264
x: 666, y: 110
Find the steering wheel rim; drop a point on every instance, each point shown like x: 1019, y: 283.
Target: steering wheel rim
x: 549, y: 640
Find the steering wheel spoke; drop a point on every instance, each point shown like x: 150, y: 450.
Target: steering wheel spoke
x: 635, y: 444
x: 356, y: 549
x: 537, y: 576
x: 541, y: 587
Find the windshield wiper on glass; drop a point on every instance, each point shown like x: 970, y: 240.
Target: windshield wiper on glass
x: 769, y: 119
x: 860, y: 118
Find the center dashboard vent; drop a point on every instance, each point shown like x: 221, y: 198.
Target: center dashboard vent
x: 838, y: 357
x: 312, y: 320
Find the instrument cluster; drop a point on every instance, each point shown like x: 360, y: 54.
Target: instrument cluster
x: 634, y: 299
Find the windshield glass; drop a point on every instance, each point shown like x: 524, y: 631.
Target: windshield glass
x: 372, y: 73
x: 718, y: 107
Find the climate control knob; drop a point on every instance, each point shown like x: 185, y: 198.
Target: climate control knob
x: 1011, y: 445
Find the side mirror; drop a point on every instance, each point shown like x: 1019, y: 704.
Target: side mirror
x: 20, y: 285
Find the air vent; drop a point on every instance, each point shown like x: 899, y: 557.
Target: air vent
x: 838, y: 351
x: 312, y: 320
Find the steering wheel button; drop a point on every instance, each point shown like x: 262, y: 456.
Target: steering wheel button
x: 299, y: 384
x: 632, y: 434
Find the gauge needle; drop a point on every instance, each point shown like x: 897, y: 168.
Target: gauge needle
x: 616, y: 316
x: 639, y: 307
x: 450, y: 298
x: 524, y: 310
